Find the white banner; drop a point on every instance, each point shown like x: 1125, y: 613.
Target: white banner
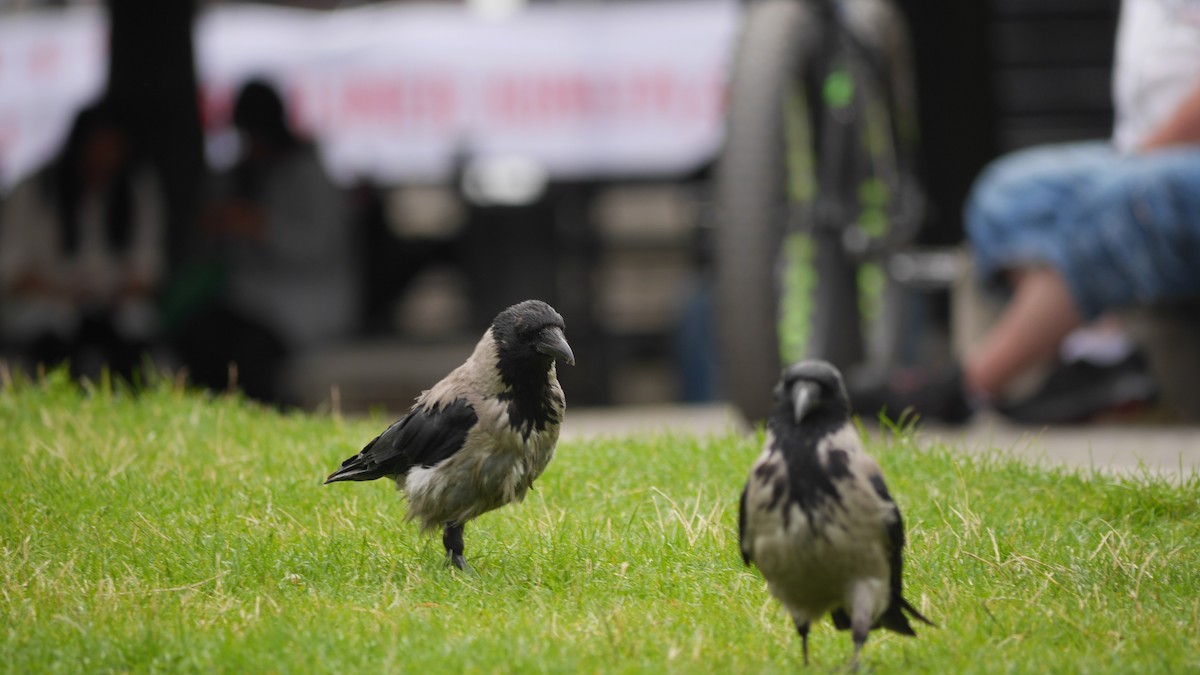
x: 51, y: 63
x: 397, y: 92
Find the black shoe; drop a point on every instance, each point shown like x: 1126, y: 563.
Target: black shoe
x: 931, y: 394
x: 1078, y: 391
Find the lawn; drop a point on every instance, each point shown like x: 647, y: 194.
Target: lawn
x: 171, y: 531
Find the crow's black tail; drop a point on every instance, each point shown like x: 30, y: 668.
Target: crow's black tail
x: 358, y: 467
x: 352, y: 473
x: 894, y: 618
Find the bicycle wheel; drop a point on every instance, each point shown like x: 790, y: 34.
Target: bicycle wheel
x: 790, y: 178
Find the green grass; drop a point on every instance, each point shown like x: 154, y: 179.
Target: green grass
x: 172, y: 532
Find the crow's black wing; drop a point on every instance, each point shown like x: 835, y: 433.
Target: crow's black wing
x: 893, y: 617
x: 742, y: 527
x: 894, y: 530
x: 423, y: 437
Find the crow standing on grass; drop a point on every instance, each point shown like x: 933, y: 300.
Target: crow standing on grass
x: 816, y: 517
x: 476, y: 440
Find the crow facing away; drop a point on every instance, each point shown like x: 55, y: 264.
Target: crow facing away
x: 476, y: 440
x: 816, y: 517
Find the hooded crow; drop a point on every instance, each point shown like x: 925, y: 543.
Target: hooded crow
x: 479, y: 438
x: 816, y: 517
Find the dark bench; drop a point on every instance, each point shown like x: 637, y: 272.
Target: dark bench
x: 1170, y: 335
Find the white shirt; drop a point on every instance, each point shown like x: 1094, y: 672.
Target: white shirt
x: 1157, y: 65
x: 299, y: 279
x: 31, y: 240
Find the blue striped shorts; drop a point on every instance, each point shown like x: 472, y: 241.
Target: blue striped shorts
x: 1122, y: 229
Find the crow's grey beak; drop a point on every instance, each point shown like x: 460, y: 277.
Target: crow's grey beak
x: 805, y: 397
x: 553, y: 343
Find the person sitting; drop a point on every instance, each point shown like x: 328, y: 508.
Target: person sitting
x: 81, y: 253
x: 1076, y: 230
x: 281, y: 232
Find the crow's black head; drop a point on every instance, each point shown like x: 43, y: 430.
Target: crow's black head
x: 812, y: 391
x: 530, y: 333
x: 529, y: 337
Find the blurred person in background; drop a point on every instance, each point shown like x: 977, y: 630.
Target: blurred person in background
x: 81, y: 253
x: 279, y: 231
x: 1075, y: 230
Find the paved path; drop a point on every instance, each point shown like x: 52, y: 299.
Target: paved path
x: 1165, y: 450
x: 693, y: 419
x: 1111, y: 448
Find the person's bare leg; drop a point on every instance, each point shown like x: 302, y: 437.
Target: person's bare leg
x: 1030, y: 329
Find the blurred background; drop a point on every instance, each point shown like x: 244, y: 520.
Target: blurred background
x: 429, y: 163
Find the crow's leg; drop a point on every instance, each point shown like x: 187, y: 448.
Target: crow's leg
x: 860, y: 620
x: 452, y: 539
x: 802, y: 626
